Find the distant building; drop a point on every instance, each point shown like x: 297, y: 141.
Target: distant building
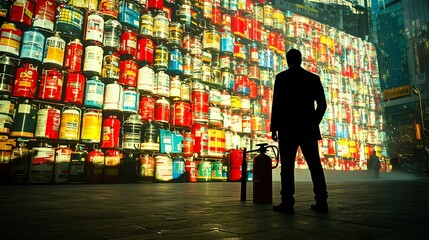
x: 400, y: 32
x: 348, y: 16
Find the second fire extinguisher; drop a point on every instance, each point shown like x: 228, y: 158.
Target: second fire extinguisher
x: 262, y: 173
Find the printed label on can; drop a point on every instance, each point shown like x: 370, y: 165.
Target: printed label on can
x: 146, y: 77
x: 54, y: 51
x: 32, y: 45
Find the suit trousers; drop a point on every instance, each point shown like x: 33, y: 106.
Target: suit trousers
x: 309, y: 148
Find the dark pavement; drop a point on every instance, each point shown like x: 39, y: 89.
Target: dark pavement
x: 393, y: 207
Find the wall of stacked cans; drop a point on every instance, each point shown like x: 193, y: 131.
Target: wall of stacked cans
x: 106, y: 91
x: 353, y: 125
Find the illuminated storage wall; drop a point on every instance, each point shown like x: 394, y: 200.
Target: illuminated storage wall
x: 150, y: 90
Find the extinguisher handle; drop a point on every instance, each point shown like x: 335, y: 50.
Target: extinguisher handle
x: 276, y: 154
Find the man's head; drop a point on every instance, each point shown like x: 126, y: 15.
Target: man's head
x: 293, y: 57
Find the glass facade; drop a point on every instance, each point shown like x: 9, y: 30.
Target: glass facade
x: 400, y: 32
x: 388, y: 24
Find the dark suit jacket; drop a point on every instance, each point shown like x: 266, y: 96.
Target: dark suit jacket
x: 294, y: 113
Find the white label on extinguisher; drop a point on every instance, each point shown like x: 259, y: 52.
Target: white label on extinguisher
x: 112, y: 161
x: 24, y: 108
x: 42, y: 119
x: 98, y: 161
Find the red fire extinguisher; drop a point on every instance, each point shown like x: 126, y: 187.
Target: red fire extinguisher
x: 111, y: 132
x: 95, y: 165
x: 262, y: 173
x: 235, y: 157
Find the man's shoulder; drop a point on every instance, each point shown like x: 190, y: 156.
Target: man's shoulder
x: 285, y: 72
x: 312, y: 75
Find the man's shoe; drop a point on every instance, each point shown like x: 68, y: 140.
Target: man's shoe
x: 322, y: 208
x: 283, y: 208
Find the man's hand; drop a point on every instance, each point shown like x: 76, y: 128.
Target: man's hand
x: 274, y: 136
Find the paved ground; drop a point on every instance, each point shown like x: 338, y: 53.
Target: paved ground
x: 393, y: 207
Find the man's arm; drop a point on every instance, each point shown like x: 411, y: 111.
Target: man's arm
x: 320, y: 100
x: 275, y: 106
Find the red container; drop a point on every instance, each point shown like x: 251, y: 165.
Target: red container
x: 239, y: 26
x: 235, y: 159
x: 147, y: 108
x: 216, y: 16
x: 201, y: 139
x: 22, y: 12
x: 249, y: 30
x: 181, y: 114
x: 128, y: 46
x: 254, y: 72
x: 112, y: 161
x: 145, y: 50
x: 200, y: 105
x: 188, y: 144
x: 253, y: 90
x: 156, y: 4
x: 48, y: 123
x: 191, y: 171
x: 128, y: 70
x: 95, y: 165
x: 44, y: 14
x: 168, y: 12
x: 239, y: 50
x: 187, y: 42
x: 162, y: 110
x: 26, y: 81
x: 273, y: 39
x: 265, y: 108
x: 249, y: 7
x: 260, y: 91
x: 241, y: 84
x: 267, y: 129
x: 73, y: 56
x: 253, y: 54
x: 281, y: 44
x: 51, y: 85
x: 111, y: 132
x: 268, y: 94
x: 256, y: 30
x: 75, y: 88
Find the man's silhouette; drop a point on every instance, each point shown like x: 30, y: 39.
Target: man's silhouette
x: 295, y: 120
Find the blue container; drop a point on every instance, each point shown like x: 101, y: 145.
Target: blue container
x: 24, y: 123
x: 233, y: 5
x: 175, y: 65
x: 227, y: 79
x: 94, y: 93
x: 261, y: 55
x: 227, y: 43
x: 32, y: 46
x: 268, y: 55
x: 130, y: 101
x: 178, y: 168
x: 129, y: 14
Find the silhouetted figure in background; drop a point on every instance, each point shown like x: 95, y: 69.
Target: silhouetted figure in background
x: 395, y: 163
x: 295, y: 123
x: 374, y: 165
